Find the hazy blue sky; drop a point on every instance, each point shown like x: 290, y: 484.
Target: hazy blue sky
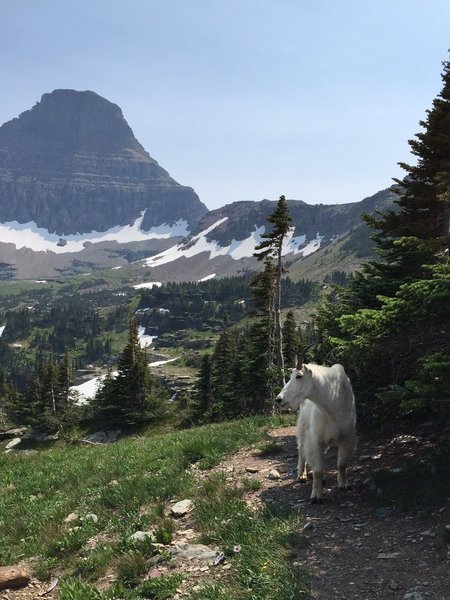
x: 242, y: 99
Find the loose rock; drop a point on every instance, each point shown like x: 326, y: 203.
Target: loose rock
x: 141, y: 536
x: 12, y: 433
x: 182, y: 508
x: 413, y: 596
x: 13, y: 443
x: 198, y: 551
x: 71, y: 518
x: 102, y: 437
x: 13, y: 577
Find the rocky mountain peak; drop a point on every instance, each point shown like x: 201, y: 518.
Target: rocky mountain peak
x: 71, y: 120
x: 72, y: 165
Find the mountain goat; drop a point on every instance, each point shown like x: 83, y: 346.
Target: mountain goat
x: 327, y: 417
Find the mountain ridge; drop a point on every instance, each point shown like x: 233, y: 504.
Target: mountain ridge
x: 78, y: 193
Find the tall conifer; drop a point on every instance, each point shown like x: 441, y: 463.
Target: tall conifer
x: 391, y: 326
x: 272, y: 245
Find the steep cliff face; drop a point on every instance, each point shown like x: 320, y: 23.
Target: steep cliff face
x: 73, y: 165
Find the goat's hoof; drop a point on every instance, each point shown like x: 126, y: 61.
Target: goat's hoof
x: 316, y: 500
x: 345, y: 488
x: 302, y: 479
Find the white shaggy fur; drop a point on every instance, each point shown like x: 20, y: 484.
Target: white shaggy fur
x: 327, y: 417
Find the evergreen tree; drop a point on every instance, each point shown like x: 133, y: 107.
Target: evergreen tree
x: 203, y: 396
x: 417, y: 232
x: 272, y: 245
x: 391, y: 326
x: 291, y: 339
x: 133, y: 396
x: 221, y: 373
x: 63, y: 383
x: 260, y: 374
x: 11, y: 402
x: 44, y: 406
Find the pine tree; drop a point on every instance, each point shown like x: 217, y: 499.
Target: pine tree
x: 391, y: 326
x: 260, y: 374
x: 11, y: 402
x: 63, y: 383
x: 272, y: 245
x: 291, y: 339
x: 418, y: 231
x: 203, y: 396
x: 133, y: 396
x: 221, y: 372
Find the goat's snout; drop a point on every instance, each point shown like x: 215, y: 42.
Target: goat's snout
x: 281, y: 401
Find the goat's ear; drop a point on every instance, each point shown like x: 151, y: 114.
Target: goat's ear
x: 306, y: 370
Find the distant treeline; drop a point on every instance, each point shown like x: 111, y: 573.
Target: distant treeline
x: 175, y: 306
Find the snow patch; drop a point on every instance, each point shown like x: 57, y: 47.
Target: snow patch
x: 312, y: 246
x: 29, y: 235
x: 158, y: 363
x: 207, y: 277
x: 2, y: 329
x: 147, y: 285
x: 145, y: 340
x: 87, y: 390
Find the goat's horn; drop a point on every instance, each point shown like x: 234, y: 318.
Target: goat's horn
x: 302, y: 354
x: 305, y: 349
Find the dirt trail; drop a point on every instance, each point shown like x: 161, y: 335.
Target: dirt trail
x: 356, y: 551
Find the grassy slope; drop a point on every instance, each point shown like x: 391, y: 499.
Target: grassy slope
x: 127, y: 486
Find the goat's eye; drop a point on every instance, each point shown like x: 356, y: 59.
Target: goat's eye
x: 298, y: 376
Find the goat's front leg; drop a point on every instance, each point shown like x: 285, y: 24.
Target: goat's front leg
x: 317, y: 465
x: 302, y: 474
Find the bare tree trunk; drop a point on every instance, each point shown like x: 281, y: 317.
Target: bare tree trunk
x: 278, y: 329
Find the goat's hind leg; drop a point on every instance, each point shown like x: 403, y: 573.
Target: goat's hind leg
x: 344, y: 451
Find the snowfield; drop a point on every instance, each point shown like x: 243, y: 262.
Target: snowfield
x: 237, y: 249
x: 29, y: 235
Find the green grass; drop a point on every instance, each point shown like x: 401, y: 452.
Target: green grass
x: 261, y: 546
x: 128, y: 486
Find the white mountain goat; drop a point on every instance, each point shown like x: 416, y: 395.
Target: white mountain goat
x: 327, y: 417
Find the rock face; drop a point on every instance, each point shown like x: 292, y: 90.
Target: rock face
x: 72, y: 165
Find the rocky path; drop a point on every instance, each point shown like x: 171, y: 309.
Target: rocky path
x: 356, y: 551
